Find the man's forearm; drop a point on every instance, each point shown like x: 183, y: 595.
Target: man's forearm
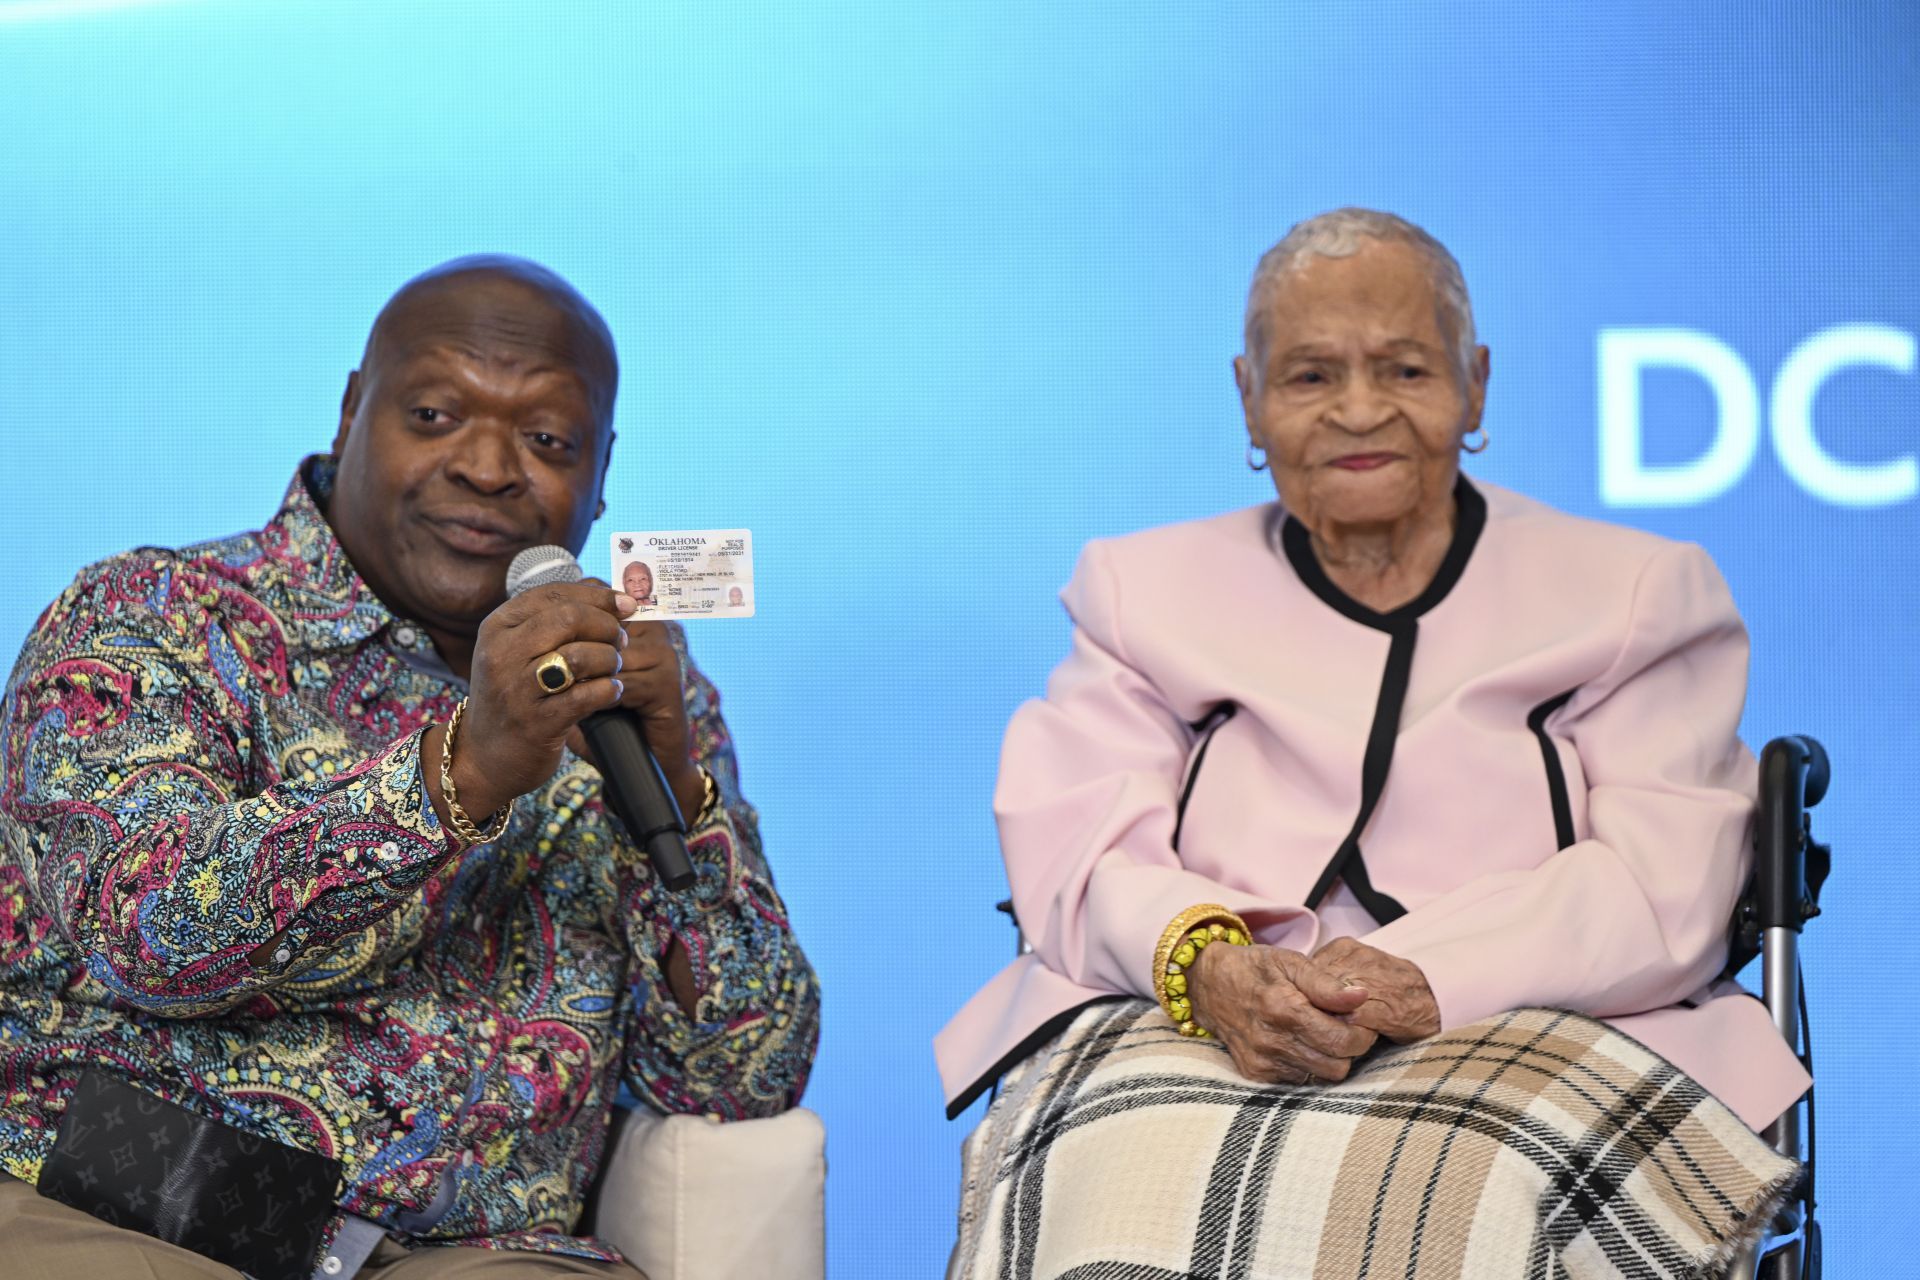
x: 203, y: 906
x: 734, y: 1033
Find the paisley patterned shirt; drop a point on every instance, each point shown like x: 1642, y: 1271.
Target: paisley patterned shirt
x: 208, y: 748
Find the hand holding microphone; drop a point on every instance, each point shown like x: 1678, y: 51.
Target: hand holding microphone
x: 554, y: 666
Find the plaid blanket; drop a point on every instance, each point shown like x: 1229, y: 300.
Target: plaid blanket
x: 1537, y: 1144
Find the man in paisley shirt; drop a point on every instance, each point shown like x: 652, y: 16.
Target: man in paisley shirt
x: 229, y: 869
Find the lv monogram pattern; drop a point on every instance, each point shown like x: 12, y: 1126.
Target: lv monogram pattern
x: 139, y: 1162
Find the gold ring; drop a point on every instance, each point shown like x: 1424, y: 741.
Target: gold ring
x: 553, y: 673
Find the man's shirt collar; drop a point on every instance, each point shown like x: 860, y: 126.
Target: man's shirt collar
x: 325, y: 603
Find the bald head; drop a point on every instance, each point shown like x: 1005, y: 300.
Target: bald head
x: 496, y: 306
x: 479, y: 423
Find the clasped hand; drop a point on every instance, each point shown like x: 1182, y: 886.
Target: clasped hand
x: 1288, y: 1018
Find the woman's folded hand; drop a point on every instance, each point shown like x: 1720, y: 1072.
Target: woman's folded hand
x: 1400, y: 1005
x: 1280, y: 1014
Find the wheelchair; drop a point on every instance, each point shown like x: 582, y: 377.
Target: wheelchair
x: 1789, y: 867
x: 1782, y: 894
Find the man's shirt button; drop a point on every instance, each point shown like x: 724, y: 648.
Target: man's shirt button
x: 405, y: 637
x: 331, y: 1266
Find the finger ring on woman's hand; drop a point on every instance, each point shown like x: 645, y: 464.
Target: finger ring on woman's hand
x: 553, y: 673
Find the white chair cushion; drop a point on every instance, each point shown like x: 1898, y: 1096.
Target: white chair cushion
x: 689, y: 1198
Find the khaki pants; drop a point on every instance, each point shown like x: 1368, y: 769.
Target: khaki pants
x: 42, y: 1239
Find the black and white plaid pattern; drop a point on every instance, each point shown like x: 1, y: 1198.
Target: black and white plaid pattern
x: 1537, y: 1144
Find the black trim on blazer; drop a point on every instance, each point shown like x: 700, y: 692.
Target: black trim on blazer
x: 1347, y: 861
x: 1556, y: 773
x: 1469, y: 518
x: 1402, y: 624
x: 1044, y: 1032
x: 1206, y: 726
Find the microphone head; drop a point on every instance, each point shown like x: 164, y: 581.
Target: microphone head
x: 540, y: 567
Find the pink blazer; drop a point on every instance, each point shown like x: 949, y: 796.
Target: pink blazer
x: 1532, y: 774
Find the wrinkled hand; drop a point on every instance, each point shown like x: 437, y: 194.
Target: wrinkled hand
x: 1400, y: 1005
x: 1277, y: 1012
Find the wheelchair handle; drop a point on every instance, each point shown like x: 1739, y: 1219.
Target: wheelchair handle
x: 1794, y: 773
x: 1818, y: 771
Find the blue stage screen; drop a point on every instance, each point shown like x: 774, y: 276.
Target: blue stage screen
x: 929, y: 295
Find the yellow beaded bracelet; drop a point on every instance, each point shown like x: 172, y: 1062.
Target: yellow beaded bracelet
x: 1185, y: 937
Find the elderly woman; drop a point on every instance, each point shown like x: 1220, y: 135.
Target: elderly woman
x: 1400, y: 760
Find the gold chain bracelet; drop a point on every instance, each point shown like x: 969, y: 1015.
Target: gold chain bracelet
x: 709, y: 801
x: 456, y: 816
x: 1181, y: 942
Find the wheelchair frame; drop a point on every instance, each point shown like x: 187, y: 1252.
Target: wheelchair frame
x: 1788, y: 869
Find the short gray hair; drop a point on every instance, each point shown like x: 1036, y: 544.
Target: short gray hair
x: 1338, y: 234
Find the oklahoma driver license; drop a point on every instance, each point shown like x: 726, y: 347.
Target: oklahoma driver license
x: 690, y: 573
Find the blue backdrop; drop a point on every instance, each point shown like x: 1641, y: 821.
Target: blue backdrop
x: 927, y: 296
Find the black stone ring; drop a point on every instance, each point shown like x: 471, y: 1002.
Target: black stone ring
x: 553, y: 673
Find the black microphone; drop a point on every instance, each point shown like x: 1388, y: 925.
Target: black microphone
x: 634, y: 787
